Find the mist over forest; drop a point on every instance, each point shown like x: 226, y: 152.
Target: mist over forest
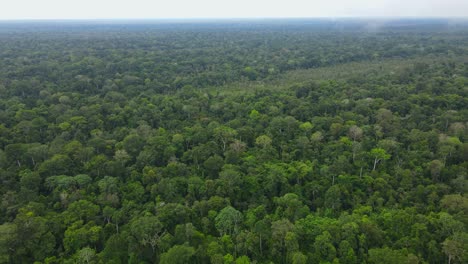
x: 234, y: 141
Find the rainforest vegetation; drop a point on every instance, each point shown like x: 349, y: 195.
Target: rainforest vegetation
x: 302, y: 141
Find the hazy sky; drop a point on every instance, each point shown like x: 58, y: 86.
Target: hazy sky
x: 92, y: 9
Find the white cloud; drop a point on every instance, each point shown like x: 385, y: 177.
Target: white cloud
x: 75, y: 9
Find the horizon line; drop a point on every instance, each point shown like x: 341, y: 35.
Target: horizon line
x: 237, y: 18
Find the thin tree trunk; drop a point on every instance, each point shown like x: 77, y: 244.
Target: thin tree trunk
x: 375, y: 163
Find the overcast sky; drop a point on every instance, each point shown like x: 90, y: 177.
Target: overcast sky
x: 104, y: 9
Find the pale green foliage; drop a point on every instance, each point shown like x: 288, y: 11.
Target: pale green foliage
x: 228, y: 220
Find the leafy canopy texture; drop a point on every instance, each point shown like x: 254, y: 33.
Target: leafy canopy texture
x: 234, y: 142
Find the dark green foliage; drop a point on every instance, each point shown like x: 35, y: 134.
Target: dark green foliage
x: 300, y: 142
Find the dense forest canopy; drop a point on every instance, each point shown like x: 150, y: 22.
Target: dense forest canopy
x: 266, y: 141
